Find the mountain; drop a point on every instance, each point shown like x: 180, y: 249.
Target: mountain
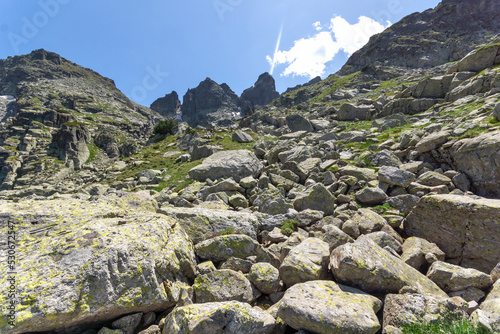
x: 261, y: 93
x: 210, y: 103
x: 431, y: 38
x: 59, y: 116
x: 168, y: 106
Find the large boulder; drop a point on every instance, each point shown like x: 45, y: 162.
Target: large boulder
x: 478, y: 59
x: 491, y: 307
x: 298, y: 122
x: 366, y: 265
x: 412, y: 309
x: 476, y: 158
x: 395, y: 177
x: 265, y: 277
x: 237, y: 164
x: 452, y: 278
x: 415, y: 251
x: 467, y: 229
x: 326, y: 307
x: 306, y: 262
x: 225, y: 317
x: 86, y: 262
x: 223, y: 285
x: 223, y: 247
x: 201, y: 223
x: 316, y: 197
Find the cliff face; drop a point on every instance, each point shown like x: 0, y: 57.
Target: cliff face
x: 431, y: 38
x: 210, y: 103
x: 168, y: 106
x: 261, y: 93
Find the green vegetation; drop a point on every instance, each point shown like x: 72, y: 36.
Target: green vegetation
x: 93, y: 149
x: 445, y: 327
x: 75, y: 124
x: 289, y: 226
x: 228, y: 231
x: 165, y: 127
x: 382, y: 209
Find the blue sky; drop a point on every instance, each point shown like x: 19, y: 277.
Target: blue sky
x: 150, y: 48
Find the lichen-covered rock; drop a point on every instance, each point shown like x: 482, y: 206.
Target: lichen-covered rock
x: 371, y: 196
x: 365, y: 174
x: 476, y: 158
x: 455, y: 278
x: 395, y: 177
x: 226, y: 317
x: 325, y: 307
x: 412, y: 308
x: 265, y: 277
x: 491, y: 307
x: 433, y: 179
x: 415, y: 250
x: 306, y: 262
x: 467, y: 229
x: 237, y: 164
x: 200, y: 223
x: 241, y: 246
x: 334, y: 236
x: 85, y: 262
x: 272, y: 201
x: 432, y: 141
x: 384, y: 239
x: 128, y: 324
x: 223, y: 285
x: 366, y: 265
x: 316, y: 197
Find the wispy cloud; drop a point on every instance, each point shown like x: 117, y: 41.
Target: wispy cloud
x: 309, y: 56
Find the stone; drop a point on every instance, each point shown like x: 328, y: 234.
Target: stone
x: 306, y: 262
x: 469, y: 294
x: 298, y: 122
x: 224, y: 317
x: 128, y: 324
x: 351, y: 112
x: 237, y: 164
x: 404, y: 203
x: 384, y: 239
x: 238, y: 201
x: 412, y: 308
x: 461, y: 182
x: 241, y: 137
x: 478, y: 59
x: 394, y: 176
x: 223, y: 285
x: 368, y: 221
x: 272, y: 202
x: 316, y: 197
x: 416, y: 249
x: 491, y: 307
x: 385, y: 158
x: 365, y: 174
x: 237, y: 264
x: 205, y: 267
x: 106, y: 330
x: 371, y: 196
x: 326, y: 307
x: 496, y: 111
x: 201, y: 223
x: 475, y: 157
x: 334, y: 236
x: 223, y: 247
x: 248, y: 182
x: 154, y: 329
x: 432, y: 141
x: 452, y: 278
x: 433, y: 179
x: 495, y: 273
x: 265, y: 277
x: 365, y: 265
x: 468, y: 230
x: 107, y: 258
x: 201, y: 152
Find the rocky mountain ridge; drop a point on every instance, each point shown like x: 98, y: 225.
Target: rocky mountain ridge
x: 330, y: 210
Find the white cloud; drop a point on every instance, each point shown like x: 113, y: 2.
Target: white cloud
x: 309, y: 56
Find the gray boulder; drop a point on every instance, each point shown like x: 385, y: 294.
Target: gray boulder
x: 351, y: 112
x: 452, y: 278
x: 491, y: 307
x: 223, y: 285
x: 236, y: 164
x: 468, y: 230
x: 475, y: 157
x: 265, y: 277
x: 395, y: 177
x: 371, y: 196
x: 433, y: 179
x: 242, y: 137
x: 316, y: 197
x: 478, y: 59
x: 416, y: 249
x: 306, y: 262
x: 225, y: 317
x: 101, y: 260
x: 432, y: 141
x: 298, y: 122
x: 325, y: 307
x: 366, y: 265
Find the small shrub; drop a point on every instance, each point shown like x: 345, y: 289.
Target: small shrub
x: 227, y: 231
x: 289, y: 226
x: 165, y: 127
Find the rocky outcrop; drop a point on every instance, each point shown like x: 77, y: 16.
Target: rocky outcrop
x: 479, y: 158
x: 263, y: 92
x: 465, y: 228
x: 210, y: 103
x: 222, y: 165
x: 87, y: 262
x: 168, y: 106
x: 71, y: 144
x: 432, y: 37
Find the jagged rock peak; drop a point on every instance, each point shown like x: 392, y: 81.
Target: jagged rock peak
x: 431, y: 38
x: 263, y: 92
x: 168, y: 106
x: 210, y: 103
